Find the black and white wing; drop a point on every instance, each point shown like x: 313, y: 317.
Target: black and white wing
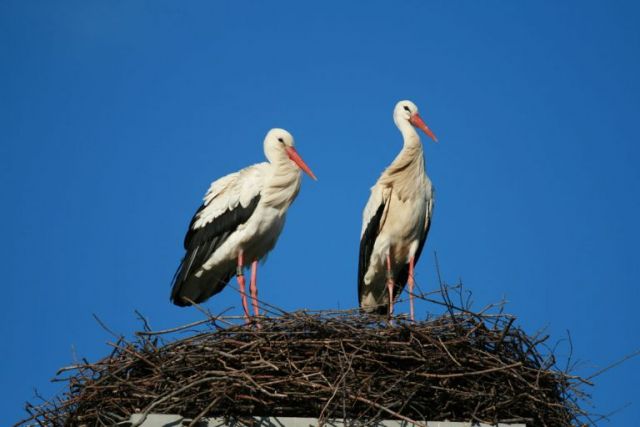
x: 373, y: 218
x: 229, y: 203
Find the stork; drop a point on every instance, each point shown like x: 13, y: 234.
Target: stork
x: 238, y: 223
x: 396, y: 220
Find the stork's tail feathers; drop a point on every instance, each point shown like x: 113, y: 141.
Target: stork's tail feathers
x: 199, y: 289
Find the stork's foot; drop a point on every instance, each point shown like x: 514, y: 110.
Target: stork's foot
x: 390, y: 286
x: 411, y: 286
x: 242, y: 286
x: 254, y: 288
x: 243, y: 293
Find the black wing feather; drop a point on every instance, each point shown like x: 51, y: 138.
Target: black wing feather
x: 201, y: 243
x: 366, y: 247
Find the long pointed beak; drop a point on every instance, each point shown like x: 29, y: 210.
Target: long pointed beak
x: 293, y: 155
x: 417, y: 121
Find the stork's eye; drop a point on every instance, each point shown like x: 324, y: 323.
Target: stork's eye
x: 281, y: 140
x: 407, y: 109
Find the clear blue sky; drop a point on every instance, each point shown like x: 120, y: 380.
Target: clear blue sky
x: 115, y: 117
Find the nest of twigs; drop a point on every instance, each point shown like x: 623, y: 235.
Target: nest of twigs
x: 458, y: 366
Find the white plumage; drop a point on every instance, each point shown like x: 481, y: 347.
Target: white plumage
x: 225, y: 193
x: 396, y: 219
x: 239, y: 222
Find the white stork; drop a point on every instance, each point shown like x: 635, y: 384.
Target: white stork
x: 396, y: 220
x: 239, y: 222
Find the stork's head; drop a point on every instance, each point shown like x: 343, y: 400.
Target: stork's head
x: 279, y: 144
x: 407, y: 111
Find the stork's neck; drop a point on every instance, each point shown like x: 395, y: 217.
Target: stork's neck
x: 283, y: 184
x: 409, y: 134
x: 407, y: 171
x: 412, y: 152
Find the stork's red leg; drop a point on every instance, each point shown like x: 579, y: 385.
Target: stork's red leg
x: 242, y: 286
x: 411, y: 285
x: 254, y: 287
x: 390, y: 285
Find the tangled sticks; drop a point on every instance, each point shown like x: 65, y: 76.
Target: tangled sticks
x: 460, y: 366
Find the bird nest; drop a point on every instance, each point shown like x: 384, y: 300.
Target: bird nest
x: 460, y: 366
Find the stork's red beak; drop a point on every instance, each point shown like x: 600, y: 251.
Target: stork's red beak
x: 293, y: 155
x: 417, y: 121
